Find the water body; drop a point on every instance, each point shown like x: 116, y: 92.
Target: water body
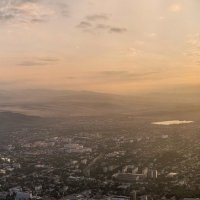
x: 172, y: 122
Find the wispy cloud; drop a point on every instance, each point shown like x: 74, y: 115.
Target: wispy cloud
x: 38, y: 62
x: 36, y: 11
x: 193, y: 50
x: 97, y: 17
x: 124, y: 76
x: 62, y: 8
x: 48, y: 59
x: 84, y: 25
x: 133, y: 52
x: 102, y: 26
x: 117, y: 30
x: 94, y: 23
x: 87, y: 26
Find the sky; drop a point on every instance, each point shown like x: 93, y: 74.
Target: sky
x: 112, y: 46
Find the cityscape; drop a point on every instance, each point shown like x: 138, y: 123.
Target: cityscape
x: 117, y: 157
x: 99, y: 100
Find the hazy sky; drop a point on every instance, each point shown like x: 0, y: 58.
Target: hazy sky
x: 118, y: 46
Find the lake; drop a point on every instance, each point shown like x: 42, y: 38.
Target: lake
x: 172, y: 122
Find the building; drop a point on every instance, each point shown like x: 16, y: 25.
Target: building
x: 23, y: 196
x: 133, y: 195
x: 128, y: 177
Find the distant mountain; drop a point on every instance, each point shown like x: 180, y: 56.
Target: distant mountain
x: 58, y: 103
x: 10, y: 119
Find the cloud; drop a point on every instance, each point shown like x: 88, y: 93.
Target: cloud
x: 38, y: 62
x: 63, y: 9
x: 175, y: 8
x: 194, y: 39
x: 97, y: 17
x: 92, y: 24
x: 36, y: 20
x: 117, y: 30
x: 193, y: 50
x: 22, y: 10
x: 47, y: 59
x: 5, y: 16
x: 102, y: 26
x: 132, y: 52
x: 36, y: 11
x: 84, y: 25
x: 8, y: 83
x: 124, y: 76
x: 31, y: 63
x: 87, y: 26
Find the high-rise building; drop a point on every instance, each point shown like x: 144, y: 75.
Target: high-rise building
x: 155, y: 174
x: 133, y: 195
x: 145, y: 171
x: 152, y: 174
x: 145, y: 197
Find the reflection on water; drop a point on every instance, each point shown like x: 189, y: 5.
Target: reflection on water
x: 172, y: 122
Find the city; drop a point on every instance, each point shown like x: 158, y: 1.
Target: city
x: 99, y: 100
x: 119, y: 157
